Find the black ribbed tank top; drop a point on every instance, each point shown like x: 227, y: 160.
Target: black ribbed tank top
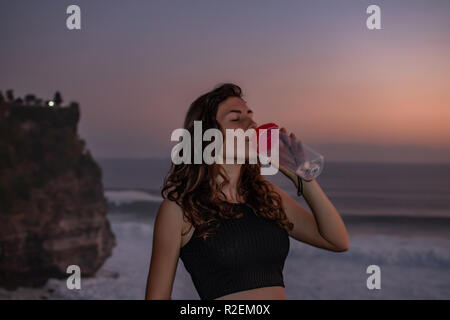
x: 243, y: 254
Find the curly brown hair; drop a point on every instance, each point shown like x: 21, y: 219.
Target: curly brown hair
x: 194, y: 187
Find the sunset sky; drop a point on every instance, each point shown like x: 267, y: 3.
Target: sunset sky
x: 311, y: 66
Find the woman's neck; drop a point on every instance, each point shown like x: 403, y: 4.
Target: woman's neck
x: 233, y: 172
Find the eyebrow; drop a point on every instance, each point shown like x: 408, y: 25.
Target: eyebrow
x: 239, y: 111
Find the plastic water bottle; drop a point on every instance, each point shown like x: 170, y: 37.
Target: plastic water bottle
x: 295, y: 156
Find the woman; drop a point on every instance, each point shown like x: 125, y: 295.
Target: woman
x: 228, y: 224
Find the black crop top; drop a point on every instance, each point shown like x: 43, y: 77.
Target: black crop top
x: 244, y: 253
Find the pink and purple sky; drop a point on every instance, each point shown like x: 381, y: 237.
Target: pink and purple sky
x: 313, y: 67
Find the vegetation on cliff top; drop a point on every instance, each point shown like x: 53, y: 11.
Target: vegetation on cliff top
x: 37, y: 143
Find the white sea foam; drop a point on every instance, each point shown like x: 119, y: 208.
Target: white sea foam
x: 127, y: 196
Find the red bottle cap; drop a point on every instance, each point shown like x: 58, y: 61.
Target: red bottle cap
x: 268, y: 135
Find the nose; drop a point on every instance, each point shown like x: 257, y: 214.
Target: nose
x: 252, y: 125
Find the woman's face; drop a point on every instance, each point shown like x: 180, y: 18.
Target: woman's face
x: 233, y: 113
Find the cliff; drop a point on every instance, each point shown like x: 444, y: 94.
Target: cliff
x: 53, y: 212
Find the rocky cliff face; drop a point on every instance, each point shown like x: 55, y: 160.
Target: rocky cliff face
x: 53, y: 212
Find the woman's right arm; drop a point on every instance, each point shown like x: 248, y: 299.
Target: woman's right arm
x: 165, y: 251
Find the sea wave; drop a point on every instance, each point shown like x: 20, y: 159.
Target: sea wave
x: 384, y: 250
x: 119, y: 197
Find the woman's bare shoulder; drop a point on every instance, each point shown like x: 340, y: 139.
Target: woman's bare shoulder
x: 170, y: 210
x: 170, y: 207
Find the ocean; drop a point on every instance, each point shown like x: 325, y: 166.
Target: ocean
x: 397, y: 216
